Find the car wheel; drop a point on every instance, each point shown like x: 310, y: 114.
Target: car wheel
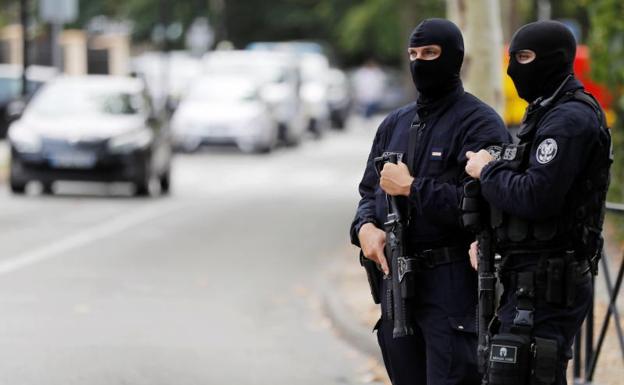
x: 18, y: 187
x: 46, y: 188
x: 142, y: 189
x: 314, y: 126
x: 16, y: 180
x: 165, y: 183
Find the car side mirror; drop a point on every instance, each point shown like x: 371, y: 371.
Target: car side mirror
x: 15, y: 109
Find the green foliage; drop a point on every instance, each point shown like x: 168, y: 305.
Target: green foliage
x: 355, y: 29
x: 606, y: 42
x: 365, y: 29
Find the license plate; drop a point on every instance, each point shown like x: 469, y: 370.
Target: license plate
x: 73, y: 160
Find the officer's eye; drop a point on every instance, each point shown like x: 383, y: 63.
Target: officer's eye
x: 432, y: 53
x: 525, y: 56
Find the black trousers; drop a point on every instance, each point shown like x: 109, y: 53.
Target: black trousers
x: 550, y: 321
x: 443, y: 349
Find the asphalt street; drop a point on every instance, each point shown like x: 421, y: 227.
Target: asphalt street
x: 218, y: 283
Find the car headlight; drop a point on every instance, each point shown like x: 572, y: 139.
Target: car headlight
x: 131, y: 141
x: 24, y: 140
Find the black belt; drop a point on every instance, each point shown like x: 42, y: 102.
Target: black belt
x: 442, y: 256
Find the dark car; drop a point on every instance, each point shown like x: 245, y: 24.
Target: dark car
x: 90, y: 128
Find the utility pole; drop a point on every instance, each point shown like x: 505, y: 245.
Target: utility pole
x: 25, y: 45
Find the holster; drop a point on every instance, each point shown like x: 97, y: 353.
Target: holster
x: 374, y: 277
x: 518, y: 359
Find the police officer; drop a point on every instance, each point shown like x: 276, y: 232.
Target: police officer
x: 547, y: 199
x: 440, y: 127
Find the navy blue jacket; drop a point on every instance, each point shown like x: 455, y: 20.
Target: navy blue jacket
x: 567, y: 134
x: 458, y: 123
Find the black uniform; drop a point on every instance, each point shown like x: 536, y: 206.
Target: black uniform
x: 547, y: 197
x: 451, y: 122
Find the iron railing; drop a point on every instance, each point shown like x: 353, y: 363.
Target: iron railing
x: 586, y: 348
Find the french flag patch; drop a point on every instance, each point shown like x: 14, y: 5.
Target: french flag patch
x: 436, y: 153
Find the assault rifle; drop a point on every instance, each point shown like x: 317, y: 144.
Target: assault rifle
x: 475, y: 219
x: 396, y: 227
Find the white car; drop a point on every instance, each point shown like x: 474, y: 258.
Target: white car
x: 278, y: 75
x: 224, y: 110
x: 315, y: 72
x: 168, y: 76
x: 315, y: 79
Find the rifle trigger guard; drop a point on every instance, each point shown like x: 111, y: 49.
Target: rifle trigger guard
x: 405, y: 265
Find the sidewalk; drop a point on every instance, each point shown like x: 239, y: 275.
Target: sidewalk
x: 348, y: 304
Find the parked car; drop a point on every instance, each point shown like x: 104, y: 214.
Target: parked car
x: 223, y: 109
x: 279, y: 79
x: 314, y: 70
x: 168, y: 75
x: 11, y: 87
x: 90, y: 128
x: 339, y: 98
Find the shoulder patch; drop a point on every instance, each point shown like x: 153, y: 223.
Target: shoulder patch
x: 495, y: 151
x: 546, y: 151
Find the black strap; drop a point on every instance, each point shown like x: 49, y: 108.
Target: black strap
x: 412, y: 142
x: 525, y: 294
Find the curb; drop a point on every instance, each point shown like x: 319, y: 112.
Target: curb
x: 345, y: 323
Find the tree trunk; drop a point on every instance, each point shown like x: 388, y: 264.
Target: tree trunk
x: 482, y: 72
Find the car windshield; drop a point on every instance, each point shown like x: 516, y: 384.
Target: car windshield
x: 222, y: 92
x: 9, y: 89
x: 58, y: 101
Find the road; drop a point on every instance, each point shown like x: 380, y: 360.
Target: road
x: 218, y: 283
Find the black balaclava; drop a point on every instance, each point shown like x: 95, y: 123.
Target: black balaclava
x: 554, y: 47
x: 435, y: 78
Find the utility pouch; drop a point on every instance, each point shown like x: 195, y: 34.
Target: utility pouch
x: 545, y: 361
x: 374, y: 277
x: 509, y: 360
x: 555, y: 280
x: 517, y: 229
x: 545, y: 231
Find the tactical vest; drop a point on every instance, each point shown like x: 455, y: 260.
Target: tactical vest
x: 580, y: 225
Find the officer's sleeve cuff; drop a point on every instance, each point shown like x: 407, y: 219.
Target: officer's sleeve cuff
x: 486, y: 170
x: 355, y: 229
x: 414, y: 195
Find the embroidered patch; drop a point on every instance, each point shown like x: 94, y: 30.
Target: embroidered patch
x: 495, y: 151
x: 436, y: 153
x: 546, y: 151
x: 504, y: 353
x: 510, y: 153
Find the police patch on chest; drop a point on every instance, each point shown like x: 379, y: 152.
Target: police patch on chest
x: 546, y: 151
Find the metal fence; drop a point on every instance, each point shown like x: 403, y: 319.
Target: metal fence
x: 586, y: 348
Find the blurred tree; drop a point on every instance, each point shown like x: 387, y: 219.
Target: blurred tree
x: 480, y: 21
x: 380, y: 28
x: 606, y: 41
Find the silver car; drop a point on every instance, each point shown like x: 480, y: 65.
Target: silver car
x: 224, y: 110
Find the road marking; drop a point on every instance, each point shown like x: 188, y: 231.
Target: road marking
x: 85, y: 237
